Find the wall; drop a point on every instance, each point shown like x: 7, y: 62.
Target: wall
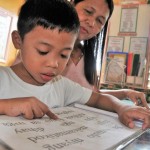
x: 142, y: 23
x: 143, y: 29
x: 12, y: 6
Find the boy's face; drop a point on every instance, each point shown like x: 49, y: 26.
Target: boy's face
x: 44, y: 54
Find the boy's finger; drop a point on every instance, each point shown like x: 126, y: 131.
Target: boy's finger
x: 45, y: 109
x: 28, y: 114
x: 51, y: 115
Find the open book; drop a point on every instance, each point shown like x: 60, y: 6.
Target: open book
x: 81, y: 128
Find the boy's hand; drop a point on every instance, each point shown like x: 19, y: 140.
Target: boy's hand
x: 128, y: 114
x: 29, y: 107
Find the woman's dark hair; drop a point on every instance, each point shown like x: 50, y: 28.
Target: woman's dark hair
x: 48, y: 14
x: 92, y: 46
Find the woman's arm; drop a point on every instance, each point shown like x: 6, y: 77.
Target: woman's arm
x: 137, y: 97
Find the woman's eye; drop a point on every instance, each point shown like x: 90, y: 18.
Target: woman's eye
x: 88, y: 11
x: 100, y: 21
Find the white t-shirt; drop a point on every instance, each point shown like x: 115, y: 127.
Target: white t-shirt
x: 58, y: 92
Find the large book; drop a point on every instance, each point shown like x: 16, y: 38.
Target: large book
x: 81, y: 128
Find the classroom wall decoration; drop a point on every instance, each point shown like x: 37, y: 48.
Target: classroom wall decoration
x: 115, y: 43
x: 128, y: 33
x: 128, y: 20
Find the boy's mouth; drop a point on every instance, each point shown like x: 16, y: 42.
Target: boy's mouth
x: 47, y: 77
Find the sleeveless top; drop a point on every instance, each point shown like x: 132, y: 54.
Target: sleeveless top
x: 76, y: 73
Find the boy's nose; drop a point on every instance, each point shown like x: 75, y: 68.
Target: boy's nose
x: 53, y: 63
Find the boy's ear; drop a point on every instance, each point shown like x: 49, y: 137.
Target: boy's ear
x: 16, y: 39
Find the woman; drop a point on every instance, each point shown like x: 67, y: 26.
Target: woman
x: 94, y: 16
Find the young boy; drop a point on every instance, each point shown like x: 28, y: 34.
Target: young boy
x: 47, y: 31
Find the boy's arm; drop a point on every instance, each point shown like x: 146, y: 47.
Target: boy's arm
x: 28, y: 107
x: 127, y: 114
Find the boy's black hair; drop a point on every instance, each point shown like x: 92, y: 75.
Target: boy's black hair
x: 48, y: 14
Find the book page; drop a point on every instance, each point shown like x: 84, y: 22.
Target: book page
x: 76, y: 129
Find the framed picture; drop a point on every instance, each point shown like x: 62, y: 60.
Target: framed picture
x: 115, y: 43
x: 128, y: 21
x: 138, y: 45
x: 5, y: 25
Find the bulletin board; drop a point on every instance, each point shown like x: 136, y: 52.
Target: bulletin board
x: 128, y: 32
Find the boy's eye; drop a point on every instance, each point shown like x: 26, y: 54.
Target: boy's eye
x: 42, y: 52
x: 64, y: 56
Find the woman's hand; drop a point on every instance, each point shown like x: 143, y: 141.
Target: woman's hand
x: 137, y: 97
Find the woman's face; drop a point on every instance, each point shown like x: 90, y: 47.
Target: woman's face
x: 93, y: 15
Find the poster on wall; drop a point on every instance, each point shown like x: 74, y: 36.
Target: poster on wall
x: 115, y: 43
x: 5, y: 24
x: 138, y: 45
x: 128, y: 20
x: 118, y: 2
